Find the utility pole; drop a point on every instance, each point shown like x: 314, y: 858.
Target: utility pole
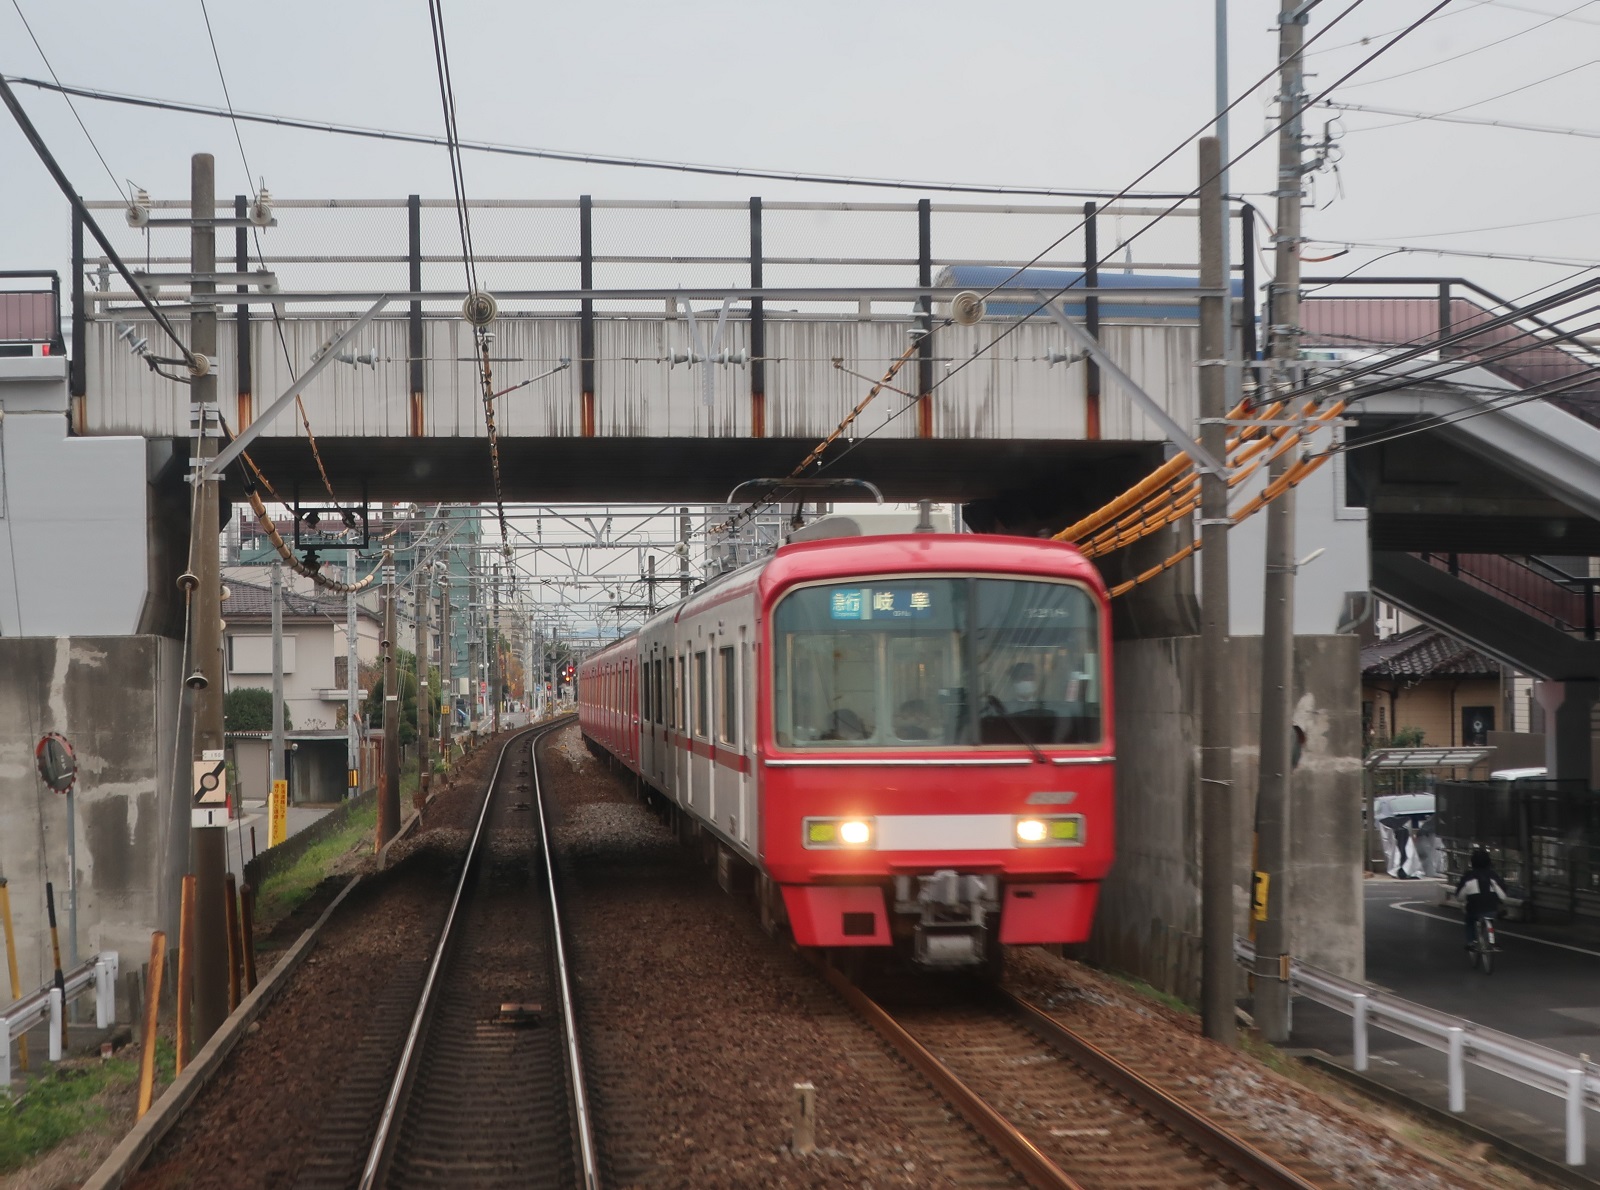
x: 683, y: 553
x: 1217, y: 980
x: 275, y: 765
x: 494, y: 643
x: 1277, y: 626
x: 389, y: 802
x: 1235, y: 378
x: 352, y: 689
x: 422, y: 587
x: 208, y: 845
x: 447, y: 661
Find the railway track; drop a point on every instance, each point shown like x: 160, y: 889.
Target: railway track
x: 472, y: 1078
x: 1063, y: 1113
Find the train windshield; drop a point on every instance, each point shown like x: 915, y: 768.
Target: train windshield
x: 917, y: 663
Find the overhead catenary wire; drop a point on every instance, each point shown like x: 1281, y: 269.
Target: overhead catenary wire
x: 43, y: 57
x: 1450, y: 118
x: 42, y: 150
x: 805, y: 177
x: 1495, y: 44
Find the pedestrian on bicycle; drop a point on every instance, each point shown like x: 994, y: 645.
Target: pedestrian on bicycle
x: 1486, y: 892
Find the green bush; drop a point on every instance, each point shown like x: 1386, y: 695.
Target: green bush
x: 249, y: 708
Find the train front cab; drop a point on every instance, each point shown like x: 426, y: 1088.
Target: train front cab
x: 938, y: 761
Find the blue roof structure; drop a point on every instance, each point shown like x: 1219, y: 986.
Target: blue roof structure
x: 982, y: 277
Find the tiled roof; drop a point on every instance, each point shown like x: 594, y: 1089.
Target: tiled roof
x: 1426, y: 653
x: 248, y: 601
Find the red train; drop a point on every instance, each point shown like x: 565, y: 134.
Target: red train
x: 908, y: 738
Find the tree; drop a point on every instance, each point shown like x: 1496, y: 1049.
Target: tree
x: 249, y: 708
x: 406, y: 663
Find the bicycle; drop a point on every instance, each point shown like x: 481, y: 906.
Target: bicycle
x: 1483, y: 947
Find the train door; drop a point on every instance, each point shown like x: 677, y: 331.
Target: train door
x: 700, y: 750
x: 745, y: 736
x: 680, y: 767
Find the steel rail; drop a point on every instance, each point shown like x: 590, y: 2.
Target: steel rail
x: 1210, y: 1138
x: 583, y: 1117
x: 382, y: 1140
x: 1015, y: 1148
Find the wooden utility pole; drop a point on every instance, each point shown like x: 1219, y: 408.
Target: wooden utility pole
x: 1217, y: 980
x: 208, y: 846
x: 1277, y: 626
x: 495, y: 671
x: 389, y: 803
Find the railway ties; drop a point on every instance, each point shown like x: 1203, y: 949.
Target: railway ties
x: 473, y: 1082
x: 1062, y: 1112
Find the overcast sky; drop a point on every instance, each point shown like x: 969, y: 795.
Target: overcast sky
x: 1068, y: 93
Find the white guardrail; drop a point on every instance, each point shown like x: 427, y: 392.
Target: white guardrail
x: 1573, y: 1079
x: 48, y: 1004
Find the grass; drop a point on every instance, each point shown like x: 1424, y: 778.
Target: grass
x: 61, y: 1104
x: 1150, y: 993
x: 285, y: 890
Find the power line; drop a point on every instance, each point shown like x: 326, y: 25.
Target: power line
x: 807, y: 177
x: 1389, y: 249
x: 65, y: 185
x: 1468, y: 231
x: 1410, y: 117
x: 115, y: 185
x: 1500, y: 41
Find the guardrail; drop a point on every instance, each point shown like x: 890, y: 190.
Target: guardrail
x: 1575, y: 1080
x: 49, y: 1004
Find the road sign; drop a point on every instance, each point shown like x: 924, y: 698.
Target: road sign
x: 58, y: 766
x: 278, y: 814
x: 210, y: 790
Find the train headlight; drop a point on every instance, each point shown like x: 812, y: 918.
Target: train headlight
x: 1056, y: 830
x: 855, y: 832
x: 830, y: 833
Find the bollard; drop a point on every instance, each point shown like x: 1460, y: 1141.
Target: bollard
x: 1577, y: 1141
x: 57, y: 1025
x: 11, y: 967
x: 1457, y: 1069
x: 804, y: 1140
x: 105, y: 989
x: 152, y: 1005
x: 232, y: 903
x: 1359, y: 1017
x: 247, y: 933
x: 185, y: 970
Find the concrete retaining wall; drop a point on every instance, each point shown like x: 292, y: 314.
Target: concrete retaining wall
x: 114, y: 699
x: 1149, y: 920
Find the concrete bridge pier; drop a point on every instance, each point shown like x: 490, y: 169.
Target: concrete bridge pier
x: 1568, y: 710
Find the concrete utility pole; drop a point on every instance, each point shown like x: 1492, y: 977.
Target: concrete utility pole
x: 208, y: 845
x: 389, y: 802
x: 275, y: 765
x: 420, y: 580
x: 1277, y: 628
x: 494, y: 643
x: 352, y: 689
x: 1218, y: 981
x: 447, y: 661
x: 684, y: 529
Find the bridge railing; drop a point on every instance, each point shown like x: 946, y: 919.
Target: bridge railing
x: 1509, y: 340
x: 30, y: 313
x: 1531, y: 585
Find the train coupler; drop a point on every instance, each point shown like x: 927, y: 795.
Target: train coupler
x: 953, y: 910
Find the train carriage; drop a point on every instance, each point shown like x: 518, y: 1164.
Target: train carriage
x: 907, y: 737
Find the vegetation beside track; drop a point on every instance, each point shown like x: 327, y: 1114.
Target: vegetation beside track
x: 69, y: 1099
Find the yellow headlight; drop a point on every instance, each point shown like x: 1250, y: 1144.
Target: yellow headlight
x: 1031, y: 830
x: 854, y: 833
x: 820, y: 832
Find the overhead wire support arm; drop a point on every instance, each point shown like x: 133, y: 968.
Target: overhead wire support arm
x: 243, y: 439
x: 1204, y: 460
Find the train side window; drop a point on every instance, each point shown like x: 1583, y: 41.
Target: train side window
x: 644, y: 695
x: 701, y: 681
x: 672, y: 693
x: 727, y: 702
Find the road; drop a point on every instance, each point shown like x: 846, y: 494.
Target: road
x: 1542, y: 989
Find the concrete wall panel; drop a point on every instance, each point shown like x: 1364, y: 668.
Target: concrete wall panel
x: 1149, y: 922
x: 114, y: 699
